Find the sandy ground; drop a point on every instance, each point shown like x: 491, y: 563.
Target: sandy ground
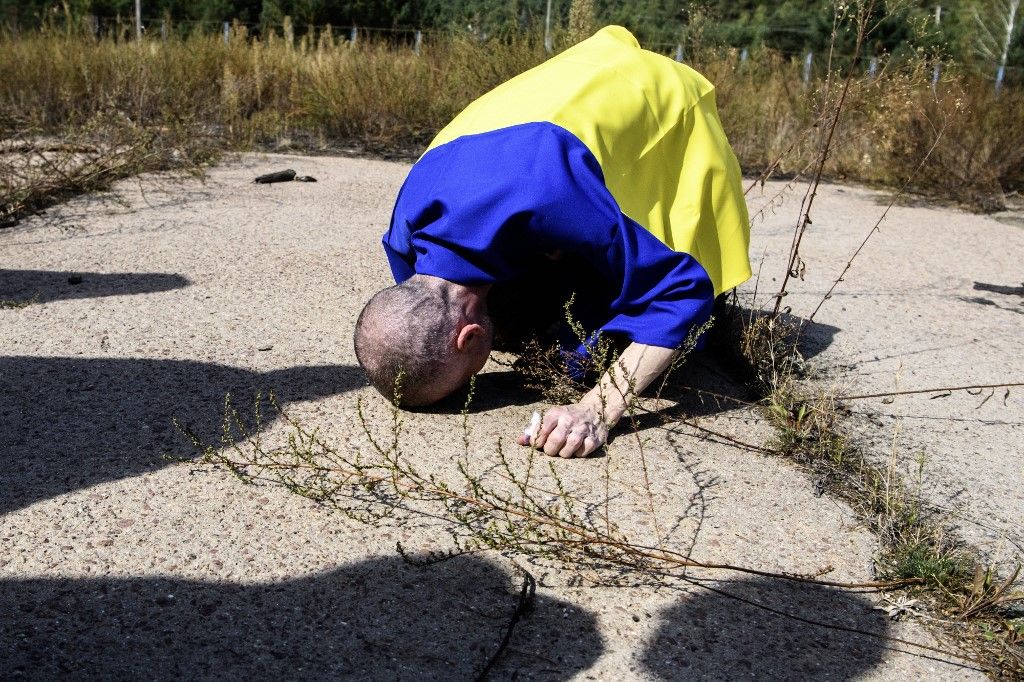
x: 117, y: 560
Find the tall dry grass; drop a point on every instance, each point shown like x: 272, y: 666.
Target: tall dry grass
x: 888, y: 125
x: 315, y: 93
x: 311, y: 90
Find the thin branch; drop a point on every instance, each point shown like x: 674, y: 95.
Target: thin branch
x: 525, y: 602
x: 561, y: 532
x: 812, y: 190
x: 765, y: 174
x: 844, y: 628
x: 943, y: 389
x: 875, y: 227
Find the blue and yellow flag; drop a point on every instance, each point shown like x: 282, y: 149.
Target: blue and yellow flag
x: 606, y: 151
x: 653, y: 126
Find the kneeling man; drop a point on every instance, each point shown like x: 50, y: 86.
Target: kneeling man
x: 604, y: 172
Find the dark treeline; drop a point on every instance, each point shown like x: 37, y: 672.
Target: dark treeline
x: 949, y: 28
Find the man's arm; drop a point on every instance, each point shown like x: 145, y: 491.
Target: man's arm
x: 580, y: 429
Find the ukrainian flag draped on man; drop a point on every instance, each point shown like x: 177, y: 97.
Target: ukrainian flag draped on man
x: 606, y: 151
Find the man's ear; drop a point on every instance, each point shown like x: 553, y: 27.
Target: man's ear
x: 468, y: 336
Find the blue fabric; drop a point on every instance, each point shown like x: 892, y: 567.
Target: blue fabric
x: 477, y: 209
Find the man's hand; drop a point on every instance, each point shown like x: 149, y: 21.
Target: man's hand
x: 577, y: 430
x: 569, y: 431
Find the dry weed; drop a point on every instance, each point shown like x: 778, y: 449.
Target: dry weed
x: 378, y: 96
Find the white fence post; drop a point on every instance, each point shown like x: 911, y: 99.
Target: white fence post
x: 548, y: 45
x: 808, y: 62
x: 418, y: 43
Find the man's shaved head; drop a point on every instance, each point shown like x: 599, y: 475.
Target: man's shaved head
x: 409, y: 329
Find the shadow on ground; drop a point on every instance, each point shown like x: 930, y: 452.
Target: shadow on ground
x: 377, y: 619
x: 721, y: 635
x: 43, y: 286
x: 495, y: 390
x: 716, y: 370
x: 68, y: 423
x: 718, y: 379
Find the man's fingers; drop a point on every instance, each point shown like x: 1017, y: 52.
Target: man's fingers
x: 563, y: 433
x: 573, y: 444
x: 556, y: 441
x: 548, y: 423
x: 590, y: 445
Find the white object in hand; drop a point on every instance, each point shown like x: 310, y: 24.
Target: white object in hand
x: 531, y: 431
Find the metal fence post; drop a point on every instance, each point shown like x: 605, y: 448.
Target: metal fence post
x: 227, y: 33
x: 679, y: 52
x: 418, y: 43
x: 808, y: 62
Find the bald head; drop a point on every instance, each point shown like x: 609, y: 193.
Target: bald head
x: 411, y: 330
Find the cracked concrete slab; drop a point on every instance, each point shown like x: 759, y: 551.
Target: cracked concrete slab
x: 117, y: 558
x: 934, y: 300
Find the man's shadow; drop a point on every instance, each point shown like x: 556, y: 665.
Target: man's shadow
x: 722, y: 635
x: 69, y: 423
x: 377, y: 619
x: 44, y: 286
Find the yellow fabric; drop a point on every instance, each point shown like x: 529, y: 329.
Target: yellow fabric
x: 653, y: 126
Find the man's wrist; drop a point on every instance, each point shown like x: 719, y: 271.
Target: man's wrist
x: 608, y: 410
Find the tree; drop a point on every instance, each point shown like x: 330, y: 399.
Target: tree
x: 997, y: 23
